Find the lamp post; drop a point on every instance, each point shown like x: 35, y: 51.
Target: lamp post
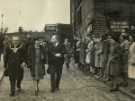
x: 2, y: 22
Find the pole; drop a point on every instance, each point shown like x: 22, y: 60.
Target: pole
x: 2, y: 78
x: 2, y: 16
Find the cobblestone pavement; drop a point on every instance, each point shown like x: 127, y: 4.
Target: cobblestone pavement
x: 75, y: 86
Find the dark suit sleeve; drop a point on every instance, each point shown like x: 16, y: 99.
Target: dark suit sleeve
x: 22, y: 54
x: 63, y: 49
x: 6, y: 54
x: 49, y: 53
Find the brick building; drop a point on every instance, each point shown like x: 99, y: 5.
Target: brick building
x: 101, y: 16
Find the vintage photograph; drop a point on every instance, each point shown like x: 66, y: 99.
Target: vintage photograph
x: 67, y: 50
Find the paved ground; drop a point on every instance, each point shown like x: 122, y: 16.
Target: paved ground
x: 74, y: 87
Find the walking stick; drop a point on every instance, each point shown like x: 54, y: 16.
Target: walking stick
x: 1, y: 79
x: 35, y: 85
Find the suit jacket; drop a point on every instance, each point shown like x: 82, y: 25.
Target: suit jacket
x: 114, y: 60
x: 52, y: 51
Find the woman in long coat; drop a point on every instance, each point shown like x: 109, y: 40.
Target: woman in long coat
x: 82, y: 54
x: 125, y: 50
x: 98, y: 52
x: 114, y: 62
x: 104, y: 55
x: 77, y: 53
x: 35, y: 62
x: 131, y: 63
x: 89, y: 54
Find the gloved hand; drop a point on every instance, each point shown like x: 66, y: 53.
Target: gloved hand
x: 23, y: 65
x: 58, y: 55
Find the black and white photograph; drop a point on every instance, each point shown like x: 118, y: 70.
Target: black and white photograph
x: 67, y: 50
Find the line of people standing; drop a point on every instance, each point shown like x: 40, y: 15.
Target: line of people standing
x: 106, y: 57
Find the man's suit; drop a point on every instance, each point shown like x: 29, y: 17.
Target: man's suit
x: 55, y: 61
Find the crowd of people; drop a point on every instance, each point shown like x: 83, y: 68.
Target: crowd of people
x: 107, y: 57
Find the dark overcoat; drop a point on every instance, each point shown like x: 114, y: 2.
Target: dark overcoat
x: 35, y: 62
x: 105, y: 52
x: 125, y: 51
x: 114, y: 59
x: 13, y: 60
x: 55, y: 62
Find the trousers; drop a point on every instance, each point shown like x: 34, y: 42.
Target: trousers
x: 16, y: 80
x: 56, y: 73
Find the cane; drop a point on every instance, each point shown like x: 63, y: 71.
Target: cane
x: 35, y: 86
x: 1, y: 79
x: 5, y: 73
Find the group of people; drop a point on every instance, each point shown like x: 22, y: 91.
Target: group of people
x: 34, y: 54
x: 106, y: 57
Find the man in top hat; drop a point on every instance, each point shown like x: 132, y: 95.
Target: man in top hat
x: 55, y: 61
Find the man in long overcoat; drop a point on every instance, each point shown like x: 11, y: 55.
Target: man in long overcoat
x: 114, y: 62
x: 13, y: 63
x: 56, y: 61
x: 125, y: 51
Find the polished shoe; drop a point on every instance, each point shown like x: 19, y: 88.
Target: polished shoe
x: 52, y: 90
x: 97, y: 76
x: 133, y: 91
x: 36, y: 93
x: 106, y: 79
x: 125, y: 84
x: 19, y: 90
x: 57, y: 89
x: 12, y: 94
x: 113, y: 90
